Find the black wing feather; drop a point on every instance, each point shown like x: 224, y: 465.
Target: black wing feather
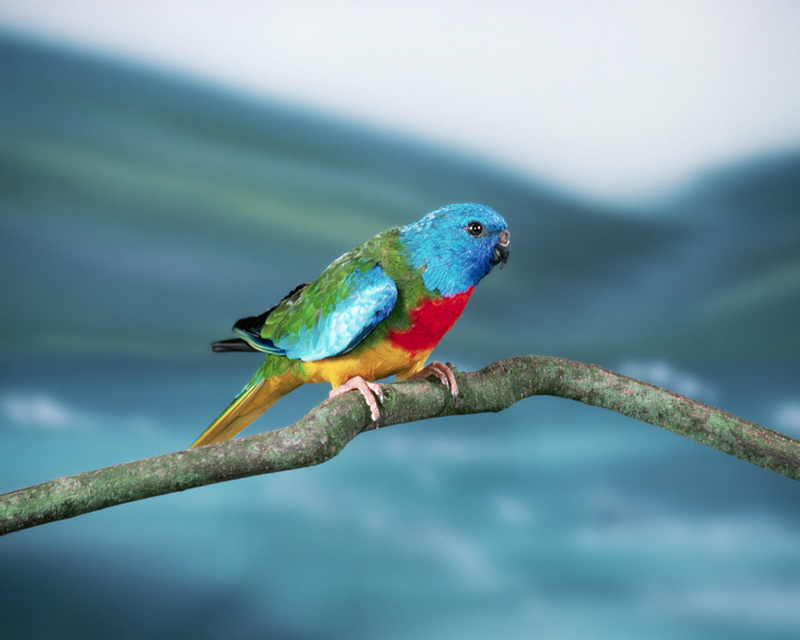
x: 251, y: 324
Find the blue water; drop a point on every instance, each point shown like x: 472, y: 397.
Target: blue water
x: 140, y: 216
x: 549, y: 519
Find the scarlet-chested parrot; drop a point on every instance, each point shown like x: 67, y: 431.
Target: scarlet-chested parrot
x: 377, y: 311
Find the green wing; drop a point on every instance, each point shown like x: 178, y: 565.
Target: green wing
x: 326, y: 317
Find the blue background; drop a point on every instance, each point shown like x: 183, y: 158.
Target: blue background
x: 140, y: 215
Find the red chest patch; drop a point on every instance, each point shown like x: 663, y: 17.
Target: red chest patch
x: 430, y: 321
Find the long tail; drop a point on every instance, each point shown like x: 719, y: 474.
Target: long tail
x: 258, y: 396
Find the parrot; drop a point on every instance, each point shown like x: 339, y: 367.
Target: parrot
x: 375, y: 312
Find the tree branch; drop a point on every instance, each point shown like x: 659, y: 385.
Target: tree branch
x: 325, y: 431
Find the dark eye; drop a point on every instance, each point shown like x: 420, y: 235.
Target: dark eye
x: 475, y: 228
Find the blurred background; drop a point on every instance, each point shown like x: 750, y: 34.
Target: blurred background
x: 167, y: 168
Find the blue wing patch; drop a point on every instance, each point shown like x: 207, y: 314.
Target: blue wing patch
x: 312, y: 323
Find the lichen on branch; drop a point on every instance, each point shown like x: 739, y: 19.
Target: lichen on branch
x: 326, y: 429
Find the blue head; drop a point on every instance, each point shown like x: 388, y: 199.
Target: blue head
x: 456, y: 246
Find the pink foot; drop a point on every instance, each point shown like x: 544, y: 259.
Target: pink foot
x: 367, y: 389
x: 442, y: 372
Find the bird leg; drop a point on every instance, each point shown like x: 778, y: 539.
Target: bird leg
x: 440, y: 371
x: 367, y: 389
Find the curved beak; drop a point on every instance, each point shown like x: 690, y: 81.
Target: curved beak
x: 501, y: 249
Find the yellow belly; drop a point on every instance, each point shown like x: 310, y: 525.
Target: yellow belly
x: 378, y: 362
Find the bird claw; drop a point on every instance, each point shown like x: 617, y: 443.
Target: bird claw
x: 368, y: 390
x: 442, y: 372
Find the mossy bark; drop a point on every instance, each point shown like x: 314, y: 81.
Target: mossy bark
x: 325, y: 431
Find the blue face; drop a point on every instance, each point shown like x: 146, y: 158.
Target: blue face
x: 456, y: 246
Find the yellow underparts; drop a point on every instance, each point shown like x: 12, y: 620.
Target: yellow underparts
x: 378, y: 362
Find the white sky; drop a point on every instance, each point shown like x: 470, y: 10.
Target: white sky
x: 616, y: 100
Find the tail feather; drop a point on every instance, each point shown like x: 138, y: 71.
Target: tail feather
x: 233, y: 344
x: 254, y: 400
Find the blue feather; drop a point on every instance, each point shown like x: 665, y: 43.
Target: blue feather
x: 450, y: 258
x: 346, y: 325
